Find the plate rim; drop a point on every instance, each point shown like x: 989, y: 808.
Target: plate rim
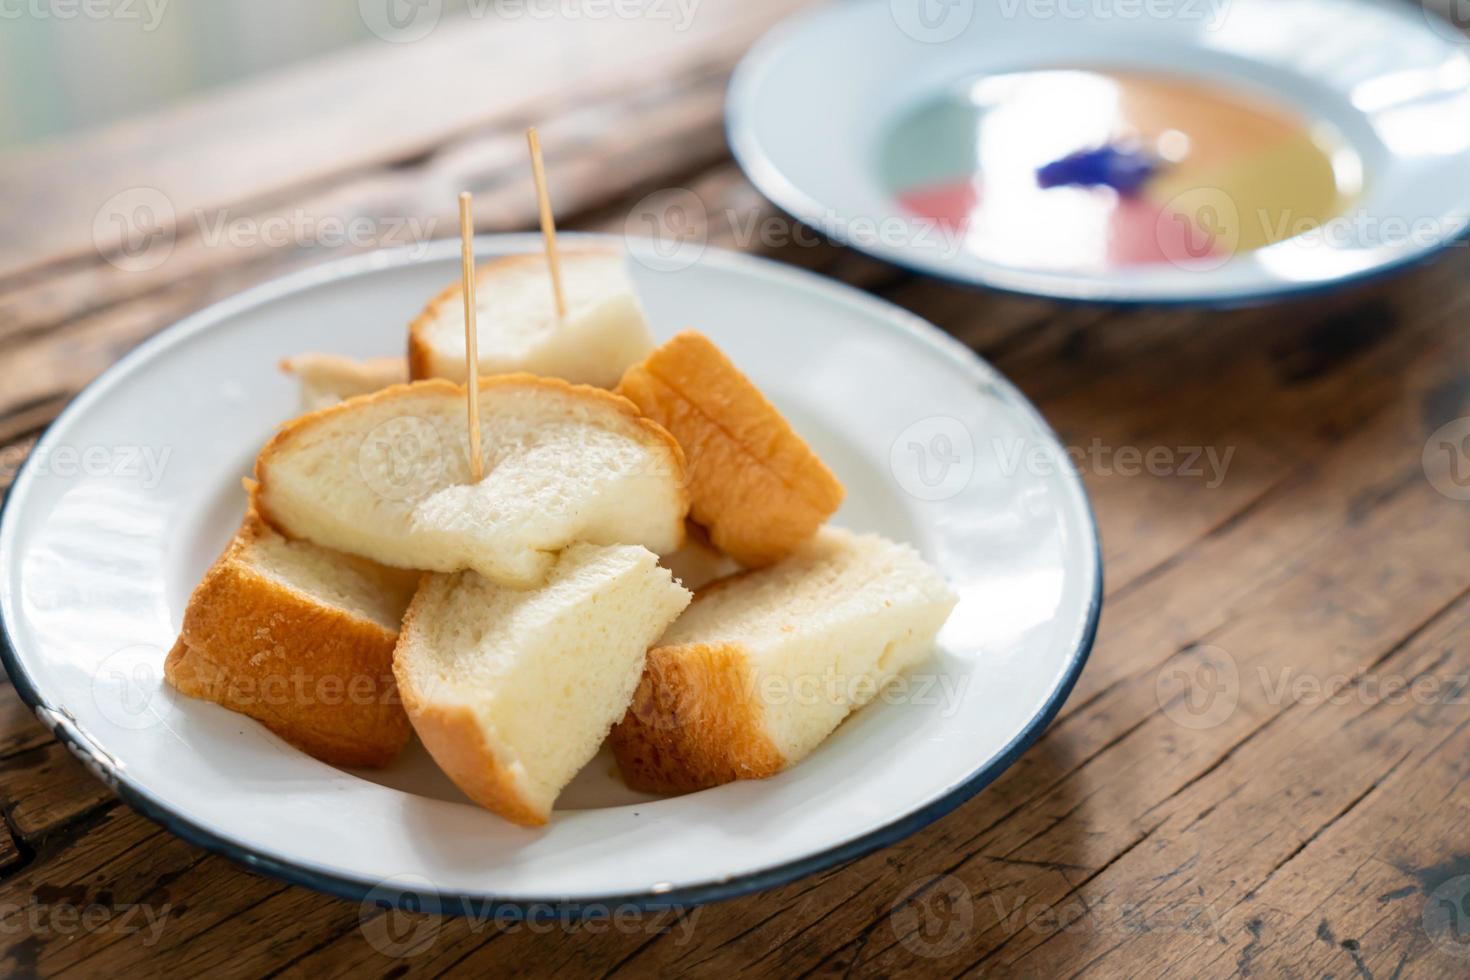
x: 381, y: 893
x: 750, y: 155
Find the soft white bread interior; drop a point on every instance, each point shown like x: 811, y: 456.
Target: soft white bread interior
x: 513, y: 691
x: 327, y: 379
x: 765, y: 664
x: 753, y: 482
x: 301, y: 639
x: 386, y: 476
x: 602, y: 332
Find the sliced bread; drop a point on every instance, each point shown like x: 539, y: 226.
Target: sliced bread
x: 386, y: 476
x: 301, y: 639
x: 513, y: 691
x: 765, y: 664
x: 327, y: 379
x: 519, y: 330
x: 753, y: 482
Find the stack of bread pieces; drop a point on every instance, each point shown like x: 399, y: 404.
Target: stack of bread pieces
x: 515, y: 624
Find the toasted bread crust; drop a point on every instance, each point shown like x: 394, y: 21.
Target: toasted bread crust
x: 652, y: 433
x: 319, y: 677
x: 754, y: 483
x: 693, y: 723
x: 454, y: 738
x: 197, y: 676
x: 375, y: 371
x: 420, y: 351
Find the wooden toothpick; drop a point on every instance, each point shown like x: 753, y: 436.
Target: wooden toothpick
x: 471, y: 334
x: 548, y: 222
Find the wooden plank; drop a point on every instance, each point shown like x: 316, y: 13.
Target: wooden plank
x: 50, y: 347
x: 390, y: 103
x: 129, y: 868
x: 592, y: 160
x: 45, y: 787
x: 10, y: 853
x: 1300, y: 835
x: 20, y: 730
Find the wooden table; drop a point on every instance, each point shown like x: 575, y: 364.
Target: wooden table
x: 1311, y: 820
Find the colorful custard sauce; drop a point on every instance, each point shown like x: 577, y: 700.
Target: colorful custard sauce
x: 1073, y: 170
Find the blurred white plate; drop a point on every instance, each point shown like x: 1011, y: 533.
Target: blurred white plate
x: 135, y: 489
x: 811, y: 104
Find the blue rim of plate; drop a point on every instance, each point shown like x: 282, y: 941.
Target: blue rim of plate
x: 379, y: 894
x: 767, y: 178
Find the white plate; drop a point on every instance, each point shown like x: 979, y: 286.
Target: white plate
x: 99, y: 552
x: 811, y: 102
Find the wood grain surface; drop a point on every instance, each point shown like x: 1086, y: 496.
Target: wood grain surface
x: 1262, y: 771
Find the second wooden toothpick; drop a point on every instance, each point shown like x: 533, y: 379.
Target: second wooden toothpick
x: 548, y: 220
x: 471, y: 333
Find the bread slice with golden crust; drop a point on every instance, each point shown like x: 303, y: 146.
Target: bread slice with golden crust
x: 513, y: 691
x: 753, y: 482
x: 765, y: 664
x: 519, y: 329
x: 301, y: 639
x: 327, y: 379
x: 386, y: 476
